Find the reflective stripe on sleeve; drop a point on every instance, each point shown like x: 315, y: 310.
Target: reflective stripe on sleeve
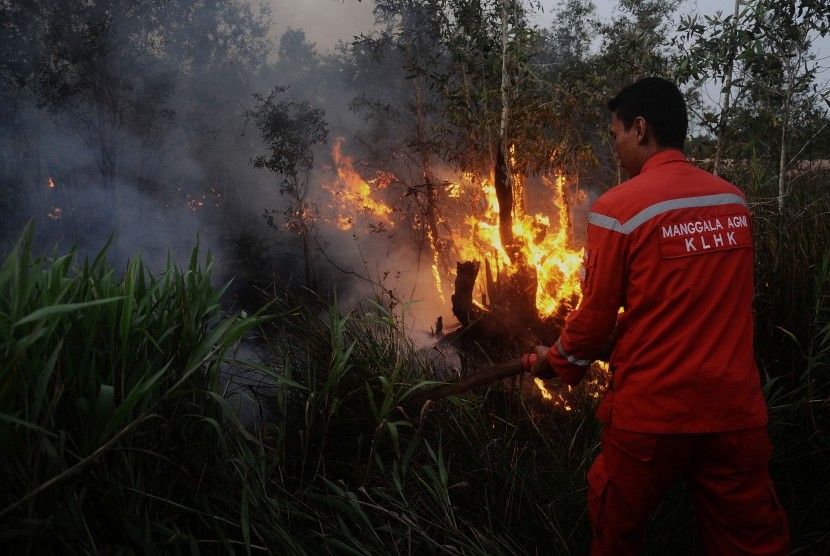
x: 657, y: 209
x: 571, y: 359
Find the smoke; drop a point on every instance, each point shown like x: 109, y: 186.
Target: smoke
x: 156, y: 153
x: 159, y: 201
x: 325, y: 22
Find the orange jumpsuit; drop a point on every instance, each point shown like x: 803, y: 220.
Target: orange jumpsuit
x: 673, y: 248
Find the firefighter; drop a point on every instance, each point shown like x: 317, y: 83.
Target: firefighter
x: 667, y: 272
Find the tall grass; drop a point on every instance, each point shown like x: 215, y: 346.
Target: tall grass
x: 793, y: 346
x: 800, y: 425
x: 117, y: 438
x: 476, y: 474
x: 112, y: 429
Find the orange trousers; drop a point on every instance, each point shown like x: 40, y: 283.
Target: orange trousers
x: 727, y: 475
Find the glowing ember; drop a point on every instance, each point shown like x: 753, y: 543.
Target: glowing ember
x: 353, y: 195
x: 559, y: 398
x: 195, y: 202
x: 454, y: 191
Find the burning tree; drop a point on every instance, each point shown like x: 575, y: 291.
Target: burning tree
x: 479, y: 114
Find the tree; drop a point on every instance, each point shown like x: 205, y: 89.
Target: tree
x: 495, y: 104
x: 761, y: 56
x: 478, y: 102
x: 118, y: 100
x: 290, y: 131
x: 635, y: 43
x: 404, y: 110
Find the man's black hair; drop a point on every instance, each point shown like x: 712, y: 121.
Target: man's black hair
x: 661, y: 103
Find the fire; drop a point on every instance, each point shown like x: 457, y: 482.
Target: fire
x: 556, y: 397
x: 195, y: 202
x: 545, y: 245
x: 353, y: 194
x: 51, y: 183
x: 543, y: 238
x: 556, y: 262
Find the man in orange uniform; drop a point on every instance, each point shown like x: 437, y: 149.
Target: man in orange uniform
x: 672, y: 247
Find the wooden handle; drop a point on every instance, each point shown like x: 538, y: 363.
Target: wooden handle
x: 491, y: 374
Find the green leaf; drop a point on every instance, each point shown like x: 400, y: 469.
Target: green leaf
x: 62, y: 309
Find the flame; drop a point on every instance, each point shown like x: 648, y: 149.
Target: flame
x: 51, y: 183
x: 436, y: 267
x: 545, y: 246
x: 556, y: 262
x: 540, y: 384
x: 543, y: 238
x: 353, y: 195
x: 558, y: 397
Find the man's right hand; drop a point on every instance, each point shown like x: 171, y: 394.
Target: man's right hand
x: 541, y: 368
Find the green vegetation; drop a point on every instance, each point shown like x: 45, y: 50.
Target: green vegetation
x: 117, y: 436
x: 117, y: 428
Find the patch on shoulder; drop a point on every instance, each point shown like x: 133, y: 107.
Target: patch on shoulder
x: 698, y: 236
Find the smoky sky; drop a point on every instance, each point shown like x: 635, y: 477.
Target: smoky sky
x: 325, y: 22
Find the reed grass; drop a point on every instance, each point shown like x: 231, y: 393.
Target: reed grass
x: 793, y: 347
x: 112, y: 432
x: 121, y: 440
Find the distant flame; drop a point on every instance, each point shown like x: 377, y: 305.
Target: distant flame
x: 353, y: 195
x: 51, y: 183
x: 195, y: 202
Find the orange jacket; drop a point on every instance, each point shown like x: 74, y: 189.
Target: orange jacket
x: 673, y: 248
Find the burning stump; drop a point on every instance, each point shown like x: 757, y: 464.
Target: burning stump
x: 514, y: 297
x: 463, y: 307
x: 509, y: 317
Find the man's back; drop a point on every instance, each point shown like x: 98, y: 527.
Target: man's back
x: 683, y: 360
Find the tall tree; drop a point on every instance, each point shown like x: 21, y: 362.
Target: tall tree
x: 762, y: 57
x: 404, y: 110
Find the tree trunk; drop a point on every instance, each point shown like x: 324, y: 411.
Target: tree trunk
x: 727, y: 92
x: 429, y: 209
x: 785, y: 123
x: 462, y: 300
x: 504, y: 174
x: 516, y: 292
x: 504, y: 195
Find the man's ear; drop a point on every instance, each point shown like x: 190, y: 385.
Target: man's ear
x: 641, y: 128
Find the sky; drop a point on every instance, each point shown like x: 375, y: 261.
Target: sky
x: 327, y: 21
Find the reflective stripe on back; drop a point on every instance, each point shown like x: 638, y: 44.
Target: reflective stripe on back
x: 662, y: 207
